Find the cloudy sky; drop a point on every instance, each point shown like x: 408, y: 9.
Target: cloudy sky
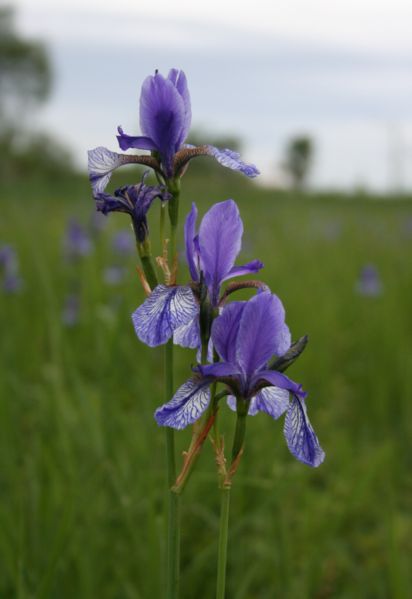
x: 340, y: 71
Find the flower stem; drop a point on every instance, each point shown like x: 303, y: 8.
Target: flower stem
x: 173, y: 516
x: 223, y: 537
x: 242, y: 408
x: 173, y: 534
x: 240, y: 430
x: 173, y: 186
x: 145, y: 254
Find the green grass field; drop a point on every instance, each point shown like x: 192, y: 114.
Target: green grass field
x: 82, y: 475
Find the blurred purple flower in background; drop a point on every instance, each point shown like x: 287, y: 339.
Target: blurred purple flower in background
x: 165, y: 118
x: 71, y: 310
x: 369, y: 282
x: 77, y: 242
x: 114, y: 275
x: 11, y: 279
x: 98, y: 223
x: 123, y: 243
x: 246, y: 336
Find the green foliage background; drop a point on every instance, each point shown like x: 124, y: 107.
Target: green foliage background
x: 82, y: 460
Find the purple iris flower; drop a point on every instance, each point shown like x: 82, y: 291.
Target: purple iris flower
x: 165, y: 118
x: 12, y: 282
x: 123, y: 243
x: 246, y: 335
x: 369, y: 282
x: 134, y: 200
x: 211, y: 253
x: 114, y: 275
x: 71, y: 310
x: 77, y: 243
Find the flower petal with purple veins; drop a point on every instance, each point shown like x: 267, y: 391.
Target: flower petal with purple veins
x: 192, y: 255
x: 101, y: 163
x: 232, y: 160
x: 220, y: 237
x: 300, y: 436
x: 188, y: 335
x: 272, y: 400
x: 186, y: 406
x: 139, y: 142
x: 225, y: 329
x: 257, y: 330
x: 165, y: 310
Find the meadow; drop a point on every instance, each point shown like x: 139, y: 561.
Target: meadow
x: 82, y: 461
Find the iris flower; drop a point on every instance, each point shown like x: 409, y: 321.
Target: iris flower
x: 211, y: 253
x: 246, y: 336
x: 134, y: 200
x: 77, y: 242
x: 165, y: 118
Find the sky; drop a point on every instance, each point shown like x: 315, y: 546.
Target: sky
x: 264, y: 71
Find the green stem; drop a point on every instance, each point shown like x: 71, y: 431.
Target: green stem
x: 173, y: 520
x: 242, y: 408
x: 162, y: 224
x: 145, y: 254
x: 238, y: 440
x: 223, y: 537
x: 173, y: 186
x: 173, y: 536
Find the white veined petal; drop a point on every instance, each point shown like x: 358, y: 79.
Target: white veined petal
x: 186, y: 406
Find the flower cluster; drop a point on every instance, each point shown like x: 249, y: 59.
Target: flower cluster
x: 244, y: 346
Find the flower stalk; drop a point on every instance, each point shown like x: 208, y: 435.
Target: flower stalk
x: 223, y: 542
x: 173, y: 543
x: 145, y: 256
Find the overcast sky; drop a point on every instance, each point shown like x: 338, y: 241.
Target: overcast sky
x: 338, y: 70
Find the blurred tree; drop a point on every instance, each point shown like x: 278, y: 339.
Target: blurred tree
x: 299, y: 156
x: 25, y: 82
x: 25, y: 73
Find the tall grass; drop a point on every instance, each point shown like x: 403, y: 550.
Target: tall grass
x: 81, y: 458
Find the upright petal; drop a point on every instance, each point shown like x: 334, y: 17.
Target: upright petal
x: 186, y: 406
x: 162, y: 116
x: 220, y: 237
x: 300, y: 436
x: 165, y: 310
x: 281, y: 338
x: 225, y: 329
x: 232, y: 160
x: 192, y: 256
x: 101, y: 163
x: 256, y: 333
x: 178, y: 78
x: 131, y: 141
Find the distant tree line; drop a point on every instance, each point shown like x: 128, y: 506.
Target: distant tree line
x: 25, y: 83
